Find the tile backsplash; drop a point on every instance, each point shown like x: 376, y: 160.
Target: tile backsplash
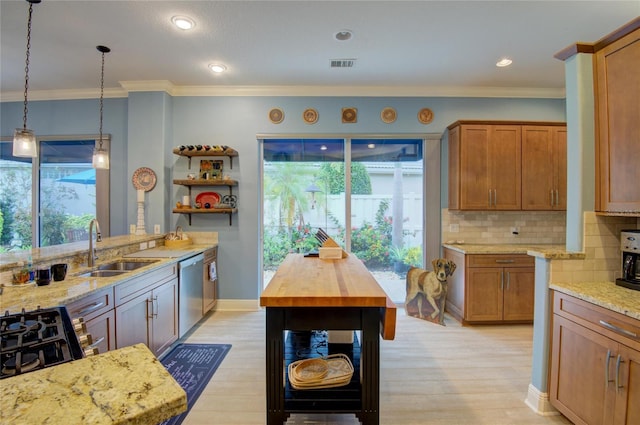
x: 603, y: 261
x: 496, y: 227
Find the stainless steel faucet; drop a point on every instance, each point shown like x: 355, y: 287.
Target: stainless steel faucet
x: 92, y: 250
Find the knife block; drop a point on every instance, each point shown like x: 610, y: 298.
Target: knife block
x: 330, y: 250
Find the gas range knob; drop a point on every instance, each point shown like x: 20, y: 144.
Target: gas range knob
x: 85, y: 340
x: 79, y: 326
x: 91, y: 351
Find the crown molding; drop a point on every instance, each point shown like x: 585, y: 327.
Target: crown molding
x: 291, y: 91
x: 71, y: 94
x: 370, y: 91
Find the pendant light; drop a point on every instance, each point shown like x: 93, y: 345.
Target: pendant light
x: 24, y: 140
x: 100, y: 155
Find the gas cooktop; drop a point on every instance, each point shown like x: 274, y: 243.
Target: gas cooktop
x: 35, y: 340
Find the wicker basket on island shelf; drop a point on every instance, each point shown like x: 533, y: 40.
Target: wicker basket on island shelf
x: 332, y: 371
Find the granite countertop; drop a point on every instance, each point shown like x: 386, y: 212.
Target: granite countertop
x: 604, y: 294
x: 555, y: 252
x: 30, y: 296
x: 128, y: 385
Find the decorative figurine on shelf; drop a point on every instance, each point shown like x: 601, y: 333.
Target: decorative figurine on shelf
x: 211, y: 169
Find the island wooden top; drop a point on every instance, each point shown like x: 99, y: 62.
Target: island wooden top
x: 313, y: 282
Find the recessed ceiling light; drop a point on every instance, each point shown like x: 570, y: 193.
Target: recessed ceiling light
x: 344, y: 35
x: 323, y: 147
x: 183, y: 22
x: 504, y: 62
x: 371, y: 145
x: 217, y: 68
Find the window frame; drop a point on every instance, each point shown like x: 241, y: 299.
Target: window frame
x: 102, y: 184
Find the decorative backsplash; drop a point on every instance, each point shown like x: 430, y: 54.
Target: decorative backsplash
x: 496, y: 227
x: 603, y: 261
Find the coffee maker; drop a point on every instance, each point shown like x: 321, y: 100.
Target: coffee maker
x: 630, y: 247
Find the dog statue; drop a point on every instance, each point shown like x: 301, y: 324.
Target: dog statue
x: 431, y: 284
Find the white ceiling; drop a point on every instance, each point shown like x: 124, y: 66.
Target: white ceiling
x: 400, y: 47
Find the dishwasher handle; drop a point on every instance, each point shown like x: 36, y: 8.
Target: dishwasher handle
x: 191, y: 261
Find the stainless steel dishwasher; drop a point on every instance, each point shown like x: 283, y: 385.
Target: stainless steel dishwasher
x: 190, y: 292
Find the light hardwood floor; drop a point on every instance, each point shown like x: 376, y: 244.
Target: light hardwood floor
x: 430, y: 374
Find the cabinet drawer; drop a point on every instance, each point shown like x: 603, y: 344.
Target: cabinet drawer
x: 616, y: 326
x: 92, y: 305
x: 129, y: 290
x: 210, y: 255
x: 500, y: 260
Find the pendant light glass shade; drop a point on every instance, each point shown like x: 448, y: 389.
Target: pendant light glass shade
x: 101, y: 155
x: 24, y: 140
x: 24, y: 143
x: 100, y: 158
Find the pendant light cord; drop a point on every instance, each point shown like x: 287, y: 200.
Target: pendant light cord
x: 101, y: 97
x: 26, y: 67
x: 103, y: 50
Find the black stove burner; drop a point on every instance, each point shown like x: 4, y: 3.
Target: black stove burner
x: 27, y: 362
x: 28, y: 325
x: 35, y: 340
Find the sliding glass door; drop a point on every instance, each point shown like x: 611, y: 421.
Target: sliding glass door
x: 366, y: 193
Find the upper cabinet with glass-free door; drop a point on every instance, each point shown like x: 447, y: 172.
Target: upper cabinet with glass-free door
x: 484, y: 166
x: 618, y: 122
x: 505, y: 165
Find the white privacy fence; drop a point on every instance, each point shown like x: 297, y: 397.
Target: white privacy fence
x: 363, y: 210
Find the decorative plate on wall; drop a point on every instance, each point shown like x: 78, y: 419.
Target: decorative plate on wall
x: 144, y: 179
x: 349, y: 115
x: 310, y: 116
x: 276, y: 115
x: 425, y: 116
x: 388, y: 115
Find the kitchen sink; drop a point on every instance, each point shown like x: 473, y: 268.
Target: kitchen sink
x: 116, y: 268
x: 124, y: 265
x: 103, y: 273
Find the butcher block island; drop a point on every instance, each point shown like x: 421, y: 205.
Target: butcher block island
x: 311, y: 294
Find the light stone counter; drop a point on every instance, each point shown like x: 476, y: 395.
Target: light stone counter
x: 30, y: 296
x: 604, y: 294
x: 555, y: 252
x: 125, y: 386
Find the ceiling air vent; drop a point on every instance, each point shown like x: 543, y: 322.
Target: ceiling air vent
x: 342, y: 63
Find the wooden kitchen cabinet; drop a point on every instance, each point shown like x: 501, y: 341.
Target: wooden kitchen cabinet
x: 146, y: 310
x: 544, y: 167
x: 595, y: 366
x: 209, y: 289
x: 484, y: 167
x: 97, y: 312
x: 500, y: 165
x: 488, y: 288
x: 617, y: 87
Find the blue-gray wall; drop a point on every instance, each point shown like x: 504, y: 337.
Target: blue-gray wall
x: 146, y: 126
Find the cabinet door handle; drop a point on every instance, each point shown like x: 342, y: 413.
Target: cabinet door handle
x: 618, y: 329
x: 551, y: 193
x: 155, y: 300
x: 505, y: 261
x: 489, y: 197
x: 557, y: 198
x: 149, y: 309
x: 606, y: 369
x: 618, y: 361
x: 88, y: 309
x: 96, y: 343
x: 495, y: 198
x: 508, y: 280
x: 502, y: 280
